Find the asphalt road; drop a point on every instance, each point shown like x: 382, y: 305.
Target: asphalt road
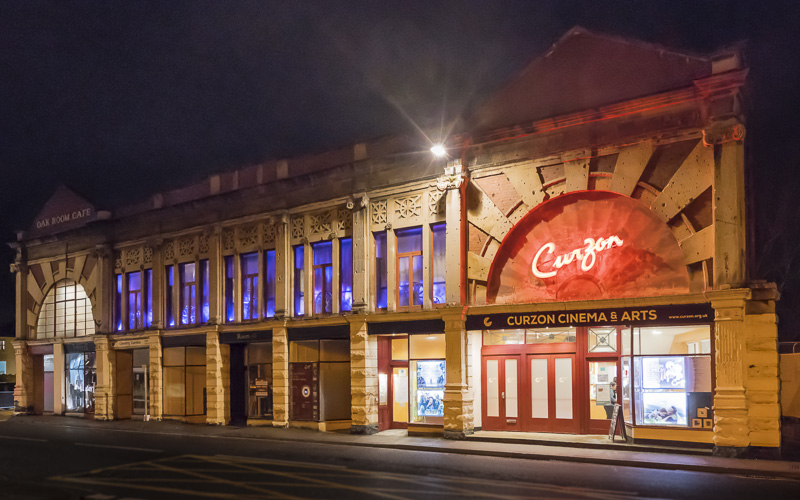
x: 63, y: 461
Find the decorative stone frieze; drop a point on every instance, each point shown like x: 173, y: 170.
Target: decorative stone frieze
x: 406, y: 208
x: 379, y: 212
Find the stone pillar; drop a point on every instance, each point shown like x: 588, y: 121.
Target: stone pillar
x: 23, y: 390
x: 730, y: 241
x: 362, y: 269
x: 363, y: 378
x: 458, y: 398
x: 218, y: 380
x: 283, y: 269
x: 159, y: 279
x: 104, y: 292
x: 452, y: 183
x: 216, y: 278
x: 59, y: 379
x: 156, y: 387
x: 730, y: 402
x: 104, y: 395
x: 280, y: 377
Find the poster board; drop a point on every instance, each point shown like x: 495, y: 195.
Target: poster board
x: 616, y: 418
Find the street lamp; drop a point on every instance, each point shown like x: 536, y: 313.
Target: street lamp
x: 438, y: 150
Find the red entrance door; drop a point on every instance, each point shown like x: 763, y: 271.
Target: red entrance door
x: 552, y: 395
x: 501, y: 396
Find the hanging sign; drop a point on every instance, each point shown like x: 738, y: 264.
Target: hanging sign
x: 651, y: 315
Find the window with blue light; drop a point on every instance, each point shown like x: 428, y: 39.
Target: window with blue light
x: 230, y: 307
x: 299, y: 280
x: 438, y: 264
x: 249, y: 263
x: 381, y: 269
x: 188, y: 293
x: 409, y: 267
x: 118, y: 304
x: 170, y: 271
x: 346, y: 274
x: 205, y: 309
x: 323, y: 277
x: 135, y: 301
x: 269, y: 283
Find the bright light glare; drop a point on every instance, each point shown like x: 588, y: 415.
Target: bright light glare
x: 438, y: 150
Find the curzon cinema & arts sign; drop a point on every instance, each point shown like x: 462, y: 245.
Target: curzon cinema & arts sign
x: 654, y: 315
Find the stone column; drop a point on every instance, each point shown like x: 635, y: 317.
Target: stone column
x: 458, y: 398
x: 218, y: 380
x: 104, y: 292
x: 280, y: 377
x: 283, y: 269
x: 156, y: 391
x: 216, y: 278
x: 59, y: 379
x: 730, y: 403
x: 362, y: 269
x: 452, y: 183
x: 159, y: 279
x: 363, y: 378
x: 104, y: 395
x: 23, y: 390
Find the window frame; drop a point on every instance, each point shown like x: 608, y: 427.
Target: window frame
x: 410, y: 256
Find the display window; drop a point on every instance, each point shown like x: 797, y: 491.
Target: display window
x: 320, y: 379
x: 428, y: 374
x: 81, y: 379
x: 184, y: 380
x: 668, y: 379
x: 259, y: 376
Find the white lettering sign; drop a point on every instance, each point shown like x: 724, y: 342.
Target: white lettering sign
x: 62, y: 218
x: 587, y: 256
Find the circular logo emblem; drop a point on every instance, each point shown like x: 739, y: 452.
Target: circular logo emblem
x: 306, y: 391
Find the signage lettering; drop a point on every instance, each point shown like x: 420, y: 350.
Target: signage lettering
x: 62, y: 218
x: 587, y: 256
x: 654, y: 315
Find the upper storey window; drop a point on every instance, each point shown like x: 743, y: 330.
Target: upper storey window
x: 134, y: 296
x: 409, y: 267
x: 66, y: 312
x: 323, y: 277
x: 193, y: 292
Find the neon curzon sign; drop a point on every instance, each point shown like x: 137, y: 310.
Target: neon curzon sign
x: 587, y: 256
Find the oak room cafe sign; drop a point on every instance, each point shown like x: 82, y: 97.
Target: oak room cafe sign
x: 654, y: 315
x: 65, y: 210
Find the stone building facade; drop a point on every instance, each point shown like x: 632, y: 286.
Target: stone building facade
x: 582, y: 245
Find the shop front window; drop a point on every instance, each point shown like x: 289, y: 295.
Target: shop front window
x: 81, y: 378
x: 249, y: 286
x: 323, y: 277
x: 438, y: 264
x: 381, y: 269
x: 409, y: 267
x: 672, y: 386
x: 346, y: 274
x: 184, y: 380
x: 320, y: 379
x: 259, y: 377
x: 428, y: 374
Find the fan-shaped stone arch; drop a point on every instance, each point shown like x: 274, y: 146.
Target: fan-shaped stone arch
x: 672, y: 179
x: 42, y: 278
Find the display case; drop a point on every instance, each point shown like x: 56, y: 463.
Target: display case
x: 427, y: 390
x: 661, y: 384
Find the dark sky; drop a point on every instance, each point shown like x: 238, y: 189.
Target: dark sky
x: 119, y: 99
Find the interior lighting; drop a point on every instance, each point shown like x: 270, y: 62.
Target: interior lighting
x: 438, y: 150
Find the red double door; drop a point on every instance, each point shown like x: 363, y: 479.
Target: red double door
x: 531, y: 393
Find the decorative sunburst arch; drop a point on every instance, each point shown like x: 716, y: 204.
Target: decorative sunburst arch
x: 691, y: 177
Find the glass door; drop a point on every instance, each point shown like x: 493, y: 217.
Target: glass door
x: 501, y: 395
x: 553, y: 405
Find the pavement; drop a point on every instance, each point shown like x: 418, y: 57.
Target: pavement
x: 482, y: 444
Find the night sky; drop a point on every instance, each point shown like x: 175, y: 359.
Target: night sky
x: 120, y: 99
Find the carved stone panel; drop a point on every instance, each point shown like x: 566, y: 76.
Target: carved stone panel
x: 344, y: 220
x: 298, y: 229
x: 269, y: 233
x: 248, y: 236
x: 186, y: 246
x: 379, y: 213
x: 132, y: 257
x: 227, y: 239
x: 320, y: 223
x: 203, y: 244
x: 147, y: 255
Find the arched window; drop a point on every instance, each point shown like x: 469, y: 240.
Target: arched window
x: 66, y: 312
